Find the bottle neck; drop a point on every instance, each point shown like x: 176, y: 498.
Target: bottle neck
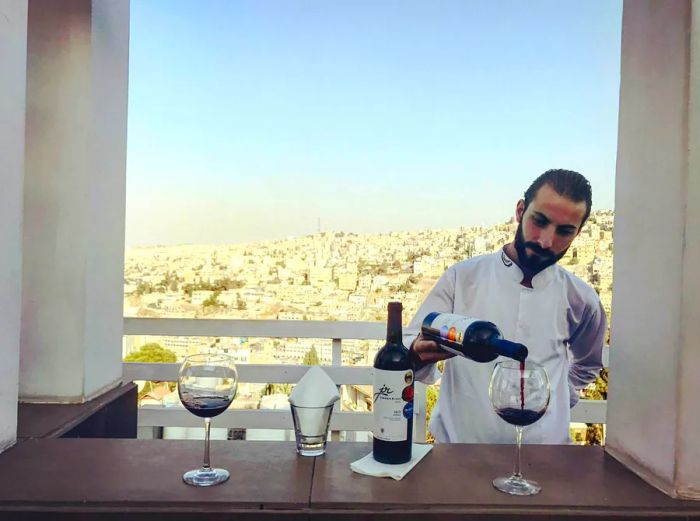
x: 512, y: 350
x: 393, y: 326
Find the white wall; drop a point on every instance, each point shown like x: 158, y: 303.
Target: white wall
x: 104, y: 306
x: 77, y: 70
x: 656, y: 276
x: 13, y: 61
x: 688, y: 471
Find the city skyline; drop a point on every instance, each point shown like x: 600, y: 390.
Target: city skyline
x: 259, y: 119
x: 332, y: 276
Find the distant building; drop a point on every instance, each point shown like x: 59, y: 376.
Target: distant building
x: 320, y: 276
x: 199, y: 296
x: 347, y: 281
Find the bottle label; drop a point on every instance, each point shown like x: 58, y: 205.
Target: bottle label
x: 393, y: 404
x: 451, y: 327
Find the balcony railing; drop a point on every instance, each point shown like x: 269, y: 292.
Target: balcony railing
x: 587, y: 411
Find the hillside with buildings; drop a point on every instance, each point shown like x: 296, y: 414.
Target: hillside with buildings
x: 327, y: 276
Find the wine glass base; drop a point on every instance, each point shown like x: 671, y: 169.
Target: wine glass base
x: 205, y: 477
x: 517, y: 486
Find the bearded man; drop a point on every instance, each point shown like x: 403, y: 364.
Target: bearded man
x: 533, y: 301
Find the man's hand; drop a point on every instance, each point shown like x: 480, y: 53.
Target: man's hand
x: 428, y: 351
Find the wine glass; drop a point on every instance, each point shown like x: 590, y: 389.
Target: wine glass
x: 207, y: 384
x: 519, y: 393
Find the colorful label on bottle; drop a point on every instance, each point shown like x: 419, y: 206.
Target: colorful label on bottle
x: 451, y: 327
x: 393, y: 404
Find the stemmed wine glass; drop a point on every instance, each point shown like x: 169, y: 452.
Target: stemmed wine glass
x: 207, y: 384
x: 519, y: 393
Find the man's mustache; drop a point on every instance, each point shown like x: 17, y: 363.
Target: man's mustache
x: 542, y: 252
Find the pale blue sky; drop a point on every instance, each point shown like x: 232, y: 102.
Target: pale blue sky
x: 250, y: 120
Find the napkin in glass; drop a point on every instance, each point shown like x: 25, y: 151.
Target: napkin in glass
x: 314, y: 389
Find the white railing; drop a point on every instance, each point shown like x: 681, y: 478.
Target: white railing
x: 588, y: 411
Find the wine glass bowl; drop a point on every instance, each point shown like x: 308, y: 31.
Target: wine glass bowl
x: 519, y: 393
x: 207, y: 385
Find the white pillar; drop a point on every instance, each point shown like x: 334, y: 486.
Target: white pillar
x: 653, y: 408
x: 13, y: 62
x: 73, y: 266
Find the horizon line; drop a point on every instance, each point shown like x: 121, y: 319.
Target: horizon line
x: 320, y: 233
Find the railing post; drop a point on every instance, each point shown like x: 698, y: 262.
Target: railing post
x: 337, y: 351
x: 150, y: 433
x: 337, y: 360
x: 419, y: 412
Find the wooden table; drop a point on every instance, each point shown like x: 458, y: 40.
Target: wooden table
x: 110, y: 478
x: 142, y: 479
x: 454, y: 482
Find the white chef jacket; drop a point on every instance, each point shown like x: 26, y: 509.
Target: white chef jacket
x: 560, y: 320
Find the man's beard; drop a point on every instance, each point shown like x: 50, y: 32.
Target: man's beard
x: 537, y: 261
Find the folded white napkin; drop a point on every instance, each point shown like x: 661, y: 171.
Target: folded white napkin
x: 314, y: 389
x: 369, y: 466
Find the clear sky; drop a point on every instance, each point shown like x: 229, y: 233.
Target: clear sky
x: 251, y: 120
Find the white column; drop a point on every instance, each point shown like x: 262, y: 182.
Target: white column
x: 653, y: 408
x: 13, y: 62
x: 77, y: 71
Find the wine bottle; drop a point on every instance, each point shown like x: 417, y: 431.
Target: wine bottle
x: 393, y: 395
x: 472, y: 338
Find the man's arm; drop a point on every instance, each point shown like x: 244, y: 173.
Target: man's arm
x: 586, y: 348
x: 426, y: 352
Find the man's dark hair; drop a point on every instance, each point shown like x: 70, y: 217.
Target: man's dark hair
x: 566, y: 183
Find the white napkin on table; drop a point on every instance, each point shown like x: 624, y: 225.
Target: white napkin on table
x: 314, y: 389
x: 371, y: 467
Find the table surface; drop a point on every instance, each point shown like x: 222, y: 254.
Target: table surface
x: 117, y: 475
x: 458, y: 478
x: 94, y: 472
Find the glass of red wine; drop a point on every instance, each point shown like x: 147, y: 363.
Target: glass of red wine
x: 207, y: 384
x: 519, y: 393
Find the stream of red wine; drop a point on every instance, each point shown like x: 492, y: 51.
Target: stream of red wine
x: 522, y: 384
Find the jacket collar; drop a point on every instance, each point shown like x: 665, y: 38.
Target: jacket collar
x: 513, y: 272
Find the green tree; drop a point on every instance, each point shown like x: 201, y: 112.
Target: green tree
x: 227, y: 284
x: 406, y: 287
x: 594, y: 431
x: 212, y: 300
x: 152, y: 352
x: 311, y: 357
x: 188, y: 289
x: 144, y: 288
x: 600, y: 391
x: 431, y: 396
x: 277, y: 388
x: 594, y: 434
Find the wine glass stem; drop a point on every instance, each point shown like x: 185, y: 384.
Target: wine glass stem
x: 518, y: 441
x: 207, y: 424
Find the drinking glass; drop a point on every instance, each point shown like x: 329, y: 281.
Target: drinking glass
x: 207, y: 384
x: 519, y: 393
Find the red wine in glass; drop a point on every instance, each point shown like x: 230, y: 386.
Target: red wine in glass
x: 207, y: 385
x: 510, y: 382
x: 205, y: 406
x: 520, y: 417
